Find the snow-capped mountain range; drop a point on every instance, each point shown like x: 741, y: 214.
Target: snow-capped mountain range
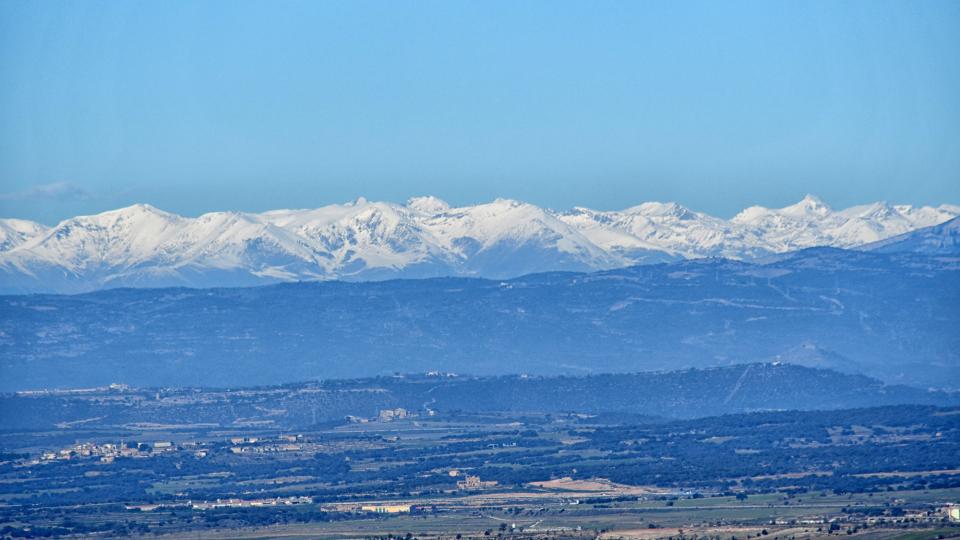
x: 143, y: 246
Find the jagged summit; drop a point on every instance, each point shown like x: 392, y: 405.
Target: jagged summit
x: 141, y: 245
x: 810, y: 205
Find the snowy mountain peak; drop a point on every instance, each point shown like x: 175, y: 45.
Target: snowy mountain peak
x: 662, y: 210
x: 134, y: 211
x: 810, y: 205
x: 14, y: 232
x: 141, y: 245
x: 508, y: 203
x: 882, y: 211
x: 428, y: 205
x: 751, y: 214
x: 812, y: 200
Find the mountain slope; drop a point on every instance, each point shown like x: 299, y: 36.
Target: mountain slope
x: 892, y: 317
x: 942, y: 239
x: 145, y: 247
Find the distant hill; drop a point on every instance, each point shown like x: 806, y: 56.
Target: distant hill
x: 890, y: 316
x: 677, y: 394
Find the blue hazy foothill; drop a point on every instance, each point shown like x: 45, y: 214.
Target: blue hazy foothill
x: 633, y: 397
x: 890, y: 316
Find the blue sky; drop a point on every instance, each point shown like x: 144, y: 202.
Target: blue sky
x: 200, y: 106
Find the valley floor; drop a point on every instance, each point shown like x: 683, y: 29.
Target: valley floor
x: 866, y: 473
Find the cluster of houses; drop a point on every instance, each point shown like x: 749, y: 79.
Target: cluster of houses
x: 374, y: 508
x: 388, y: 415
x: 385, y: 415
x: 473, y: 482
x: 257, y: 445
x: 107, y: 452
x: 386, y: 508
x: 223, y: 503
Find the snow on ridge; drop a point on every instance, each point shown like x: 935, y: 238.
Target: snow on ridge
x: 14, y: 232
x: 428, y: 204
x: 143, y: 245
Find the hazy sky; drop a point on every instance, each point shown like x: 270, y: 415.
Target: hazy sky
x: 200, y: 106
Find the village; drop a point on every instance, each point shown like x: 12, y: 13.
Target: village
x: 107, y: 452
